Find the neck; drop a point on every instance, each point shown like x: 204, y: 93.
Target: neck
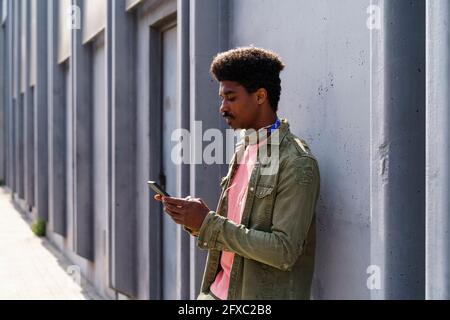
x: 265, y: 121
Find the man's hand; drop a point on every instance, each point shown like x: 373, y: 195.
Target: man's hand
x: 189, y: 212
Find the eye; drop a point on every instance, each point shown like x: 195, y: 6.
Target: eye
x: 230, y: 99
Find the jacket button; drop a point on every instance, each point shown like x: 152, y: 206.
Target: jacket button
x: 204, y: 243
x: 251, y: 189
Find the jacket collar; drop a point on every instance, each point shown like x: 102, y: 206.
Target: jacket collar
x: 250, y: 137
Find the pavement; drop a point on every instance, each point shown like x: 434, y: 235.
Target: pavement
x: 31, y: 268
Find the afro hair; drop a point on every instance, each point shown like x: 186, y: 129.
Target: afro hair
x: 253, y: 68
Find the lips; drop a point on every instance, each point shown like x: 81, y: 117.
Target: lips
x: 228, y: 119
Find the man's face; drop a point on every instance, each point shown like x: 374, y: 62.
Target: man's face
x: 239, y: 108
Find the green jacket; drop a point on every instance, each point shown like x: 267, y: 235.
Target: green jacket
x: 274, y: 244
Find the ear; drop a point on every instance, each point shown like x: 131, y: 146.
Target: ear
x: 261, y: 95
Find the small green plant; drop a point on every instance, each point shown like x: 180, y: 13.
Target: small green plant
x: 38, y: 227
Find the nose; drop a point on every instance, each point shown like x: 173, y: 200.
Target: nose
x: 223, y: 107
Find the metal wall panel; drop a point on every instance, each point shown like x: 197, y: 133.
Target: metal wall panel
x: 438, y: 150
x: 123, y: 228
x: 83, y: 149
x: 56, y: 127
x: 64, y: 31
x: 94, y: 18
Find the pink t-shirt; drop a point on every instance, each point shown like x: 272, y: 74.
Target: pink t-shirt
x: 237, y: 195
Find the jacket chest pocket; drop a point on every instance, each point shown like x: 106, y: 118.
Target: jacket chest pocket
x: 265, y: 186
x: 261, y: 216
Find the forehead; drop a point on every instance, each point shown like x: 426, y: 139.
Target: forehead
x: 227, y: 87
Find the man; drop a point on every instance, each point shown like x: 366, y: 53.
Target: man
x: 261, y: 239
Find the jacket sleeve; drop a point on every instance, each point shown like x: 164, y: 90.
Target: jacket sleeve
x: 190, y: 231
x: 294, y: 207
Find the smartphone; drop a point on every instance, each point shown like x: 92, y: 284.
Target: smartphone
x: 157, y: 188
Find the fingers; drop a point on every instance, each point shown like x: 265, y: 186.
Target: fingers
x: 176, y: 220
x: 175, y: 216
x: 175, y: 209
x: 172, y: 210
x: 160, y: 198
x: 175, y: 201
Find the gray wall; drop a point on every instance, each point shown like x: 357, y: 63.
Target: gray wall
x: 398, y: 151
x: 438, y: 150
x: 325, y: 97
x: 100, y: 161
x: 332, y: 71
x: 355, y: 92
